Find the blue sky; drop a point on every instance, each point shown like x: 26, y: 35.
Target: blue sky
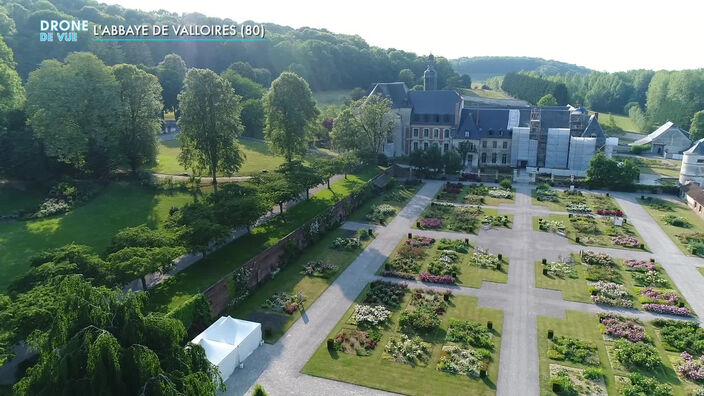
x: 604, y: 35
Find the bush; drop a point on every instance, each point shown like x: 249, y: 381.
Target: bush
x: 676, y: 221
x: 457, y: 360
x: 505, y: 184
x: 682, y: 336
x: 470, y: 333
x: 381, y: 212
x: 638, y: 149
x: 562, y: 384
x: 621, y: 327
x: 596, y: 273
x: 573, y: 350
x: 593, y: 373
x: 407, y: 350
x: 423, y: 320
x: 371, y: 315
x: 641, y: 385
x: 602, y: 259
x: 259, y: 391
x: 457, y: 245
x: 636, y: 354
x: 387, y: 293
x: 345, y: 243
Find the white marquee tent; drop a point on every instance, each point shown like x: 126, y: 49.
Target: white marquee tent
x: 228, y: 342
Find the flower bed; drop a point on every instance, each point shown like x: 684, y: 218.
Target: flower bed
x: 428, y: 277
x: 667, y: 309
x: 628, y: 241
x: 607, y: 212
x: 282, y: 301
x: 407, y: 350
x: 453, y: 244
x: 550, y: 225
x: 474, y: 199
x: 657, y: 296
x: 483, y: 259
x: 381, y: 212
x: 430, y: 299
x: 496, y: 192
x: 682, y: 336
x: 578, y: 208
x: 346, y: 243
x: 422, y: 319
x: 690, y: 368
x: 469, y: 332
x: 639, y: 265
x: 636, y: 354
x: 420, y: 241
x: 560, y: 270
x: 398, y: 274
x: 497, y: 221
x: 387, y: 293
x: 319, y: 268
x: 354, y: 341
x: 601, y: 259
x: 596, y: 273
x: 621, y: 327
x: 446, y: 263
x: 403, y: 264
x: 430, y: 223
x: 573, y: 350
x: 373, y: 315
x: 610, y: 293
x: 649, y: 278
x: 462, y: 361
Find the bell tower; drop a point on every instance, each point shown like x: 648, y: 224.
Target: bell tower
x: 430, y: 76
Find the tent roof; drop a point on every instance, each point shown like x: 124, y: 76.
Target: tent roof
x: 224, y: 336
x: 215, y: 351
x: 698, y: 148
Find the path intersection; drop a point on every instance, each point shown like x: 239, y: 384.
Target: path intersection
x: 277, y: 367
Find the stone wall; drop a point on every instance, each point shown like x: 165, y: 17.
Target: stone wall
x: 261, y: 266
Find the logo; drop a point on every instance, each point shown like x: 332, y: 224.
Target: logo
x: 62, y: 30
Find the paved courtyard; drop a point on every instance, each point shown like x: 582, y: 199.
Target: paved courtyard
x: 277, y: 367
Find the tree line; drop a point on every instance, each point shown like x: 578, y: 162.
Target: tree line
x: 533, y: 88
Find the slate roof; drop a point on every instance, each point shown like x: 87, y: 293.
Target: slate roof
x: 663, y: 128
x: 466, y: 125
x: 698, y: 148
x: 695, y: 192
x: 480, y: 121
x: 396, y: 91
x: 440, y: 102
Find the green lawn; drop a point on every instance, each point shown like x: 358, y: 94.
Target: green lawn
x: 14, y: 199
x: 593, y: 200
x: 469, y: 275
x: 658, y: 166
x: 577, y: 289
x: 658, y: 208
x: 377, y: 372
x: 257, y: 158
x: 585, y: 326
x: 201, y: 275
x: 601, y: 237
x: 119, y: 205
x: 291, y: 279
x: 397, y: 196
x: 623, y: 122
x: 335, y: 97
x: 486, y: 93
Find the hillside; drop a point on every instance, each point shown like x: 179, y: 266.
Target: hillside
x: 481, y: 68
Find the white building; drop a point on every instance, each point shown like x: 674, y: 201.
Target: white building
x: 693, y: 164
x: 667, y: 140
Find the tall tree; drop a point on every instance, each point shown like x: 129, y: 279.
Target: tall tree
x: 210, y: 124
x: 463, y: 149
x: 139, y: 121
x: 452, y: 162
x: 72, y: 107
x: 366, y: 125
x: 244, y: 87
x: 305, y: 176
x: 171, y: 72
x: 277, y: 188
x: 289, y: 108
x: 12, y: 96
x: 236, y: 206
x: 697, y: 129
x: 547, y: 100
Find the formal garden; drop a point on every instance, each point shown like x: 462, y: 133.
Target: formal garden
x: 605, y: 230
x: 588, y: 354
x: 381, y: 209
x: 598, y: 278
x: 448, y: 261
x: 477, y: 194
x: 413, y: 341
x: 575, y: 201
x: 281, y: 301
x: 679, y: 222
x: 464, y: 219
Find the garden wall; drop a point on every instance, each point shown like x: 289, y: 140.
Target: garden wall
x: 259, y: 269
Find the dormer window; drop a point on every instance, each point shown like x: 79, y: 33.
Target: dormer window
x: 466, y: 134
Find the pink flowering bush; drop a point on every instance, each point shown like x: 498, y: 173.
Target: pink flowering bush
x: 431, y: 223
x: 398, y: 274
x: 652, y: 295
x: 620, y: 327
x: 625, y: 241
x: 667, y: 309
x: 421, y: 241
x: 427, y: 277
x: 639, y: 265
x: 607, y: 212
x: 691, y: 368
x: 610, y: 293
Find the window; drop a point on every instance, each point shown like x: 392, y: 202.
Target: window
x: 445, y: 147
x: 466, y: 134
x: 503, y: 158
x: 471, y: 146
x: 470, y: 158
x: 415, y: 132
x: 493, y: 144
x: 447, y: 133
x: 491, y: 133
x: 484, y: 143
x: 505, y: 144
x: 436, y: 133
x: 415, y: 146
x: 425, y: 146
x: 493, y: 158
x: 426, y: 132
x: 484, y: 158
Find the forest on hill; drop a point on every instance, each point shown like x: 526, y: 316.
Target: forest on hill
x: 327, y: 60
x: 481, y: 68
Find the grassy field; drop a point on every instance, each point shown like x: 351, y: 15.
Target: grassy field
x: 658, y: 208
x: 378, y: 372
x: 468, y: 274
x: 622, y: 122
x: 585, y: 327
x: 662, y: 167
x: 257, y: 158
x: 335, y: 97
x: 14, y: 199
x: 486, y: 93
x: 198, y: 277
x: 292, y: 280
x: 397, y: 196
x: 94, y: 224
x: 604, y: 230
x: 577, y: 289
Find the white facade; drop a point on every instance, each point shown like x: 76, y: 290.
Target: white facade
x: 557, y: 149
x: 693, y: 164
x: 582, y: 150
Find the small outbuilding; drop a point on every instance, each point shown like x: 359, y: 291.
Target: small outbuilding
x: 667, y: 140
x: 228, y: 342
